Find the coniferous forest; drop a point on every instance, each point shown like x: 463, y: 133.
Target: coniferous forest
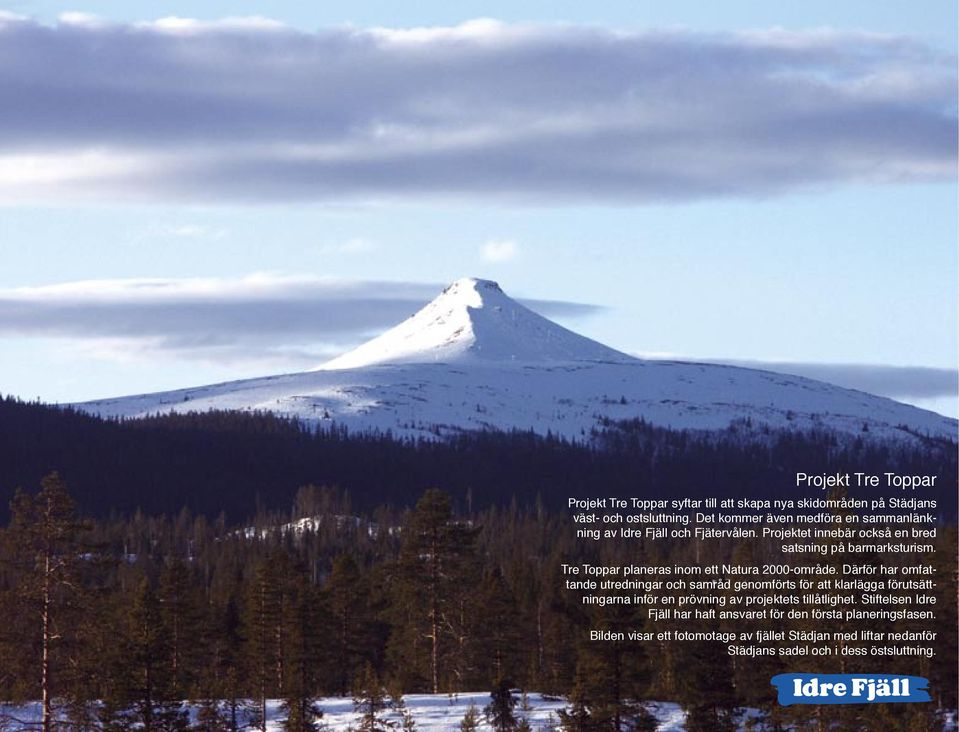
x: 116, y: 616
x: 240, y: 463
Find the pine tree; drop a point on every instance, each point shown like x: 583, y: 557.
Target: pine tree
x: 351, y: 621
x: 260, y: 620
x: 44, y: 535
x: 751, y: 677
x: 303, y: 622
x: 436, y: 559
x: 179, y: 616
x: 225, y: 644
x: 555, y: 659
x: 148, y: 647
x: 92, y: 650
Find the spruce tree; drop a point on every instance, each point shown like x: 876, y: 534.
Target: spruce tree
x: 371, y: 704
x: 705, y: 688
x: 499, y: 643
x: 499, y: 712
x: 611, y: 677
x: 406, y: 723
x: 210, y: 717
x: 471, y: 719
x: 576, y: 717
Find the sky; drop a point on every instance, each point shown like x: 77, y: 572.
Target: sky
x: 190, y: 196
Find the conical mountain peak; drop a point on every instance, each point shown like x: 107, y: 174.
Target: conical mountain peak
x: 475, y: 359
x: 474, y: 320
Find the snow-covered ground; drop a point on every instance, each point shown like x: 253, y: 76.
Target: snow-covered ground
x: 433, y: 713
x: 475, y: 359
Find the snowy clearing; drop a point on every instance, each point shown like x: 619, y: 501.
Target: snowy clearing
x: 435, y: 713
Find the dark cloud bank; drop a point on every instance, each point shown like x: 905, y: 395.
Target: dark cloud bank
x: 898, y: 382
x: 254, y: 111
x: 274, y: 318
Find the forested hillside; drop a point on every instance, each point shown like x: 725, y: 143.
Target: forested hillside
x: 238, y: 463
x: 117, y: 621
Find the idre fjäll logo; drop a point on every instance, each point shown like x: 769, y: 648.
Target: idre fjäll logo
x: 849, y: 688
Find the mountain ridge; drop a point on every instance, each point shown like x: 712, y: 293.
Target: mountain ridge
x: 475, y: 359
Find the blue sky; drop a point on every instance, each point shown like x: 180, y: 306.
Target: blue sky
x: 785, y: 194
x: 935, y: 20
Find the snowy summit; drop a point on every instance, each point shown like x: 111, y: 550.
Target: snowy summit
x: 474, y: 320
x: 475, y: 359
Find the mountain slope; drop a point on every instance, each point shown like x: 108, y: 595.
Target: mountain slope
x: 474, y: 321
x: 475, y: 359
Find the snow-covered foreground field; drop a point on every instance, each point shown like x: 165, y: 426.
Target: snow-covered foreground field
x: 431, y: 713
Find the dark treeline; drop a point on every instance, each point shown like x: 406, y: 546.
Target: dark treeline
x: 238, y: 463
x: 114, y: 622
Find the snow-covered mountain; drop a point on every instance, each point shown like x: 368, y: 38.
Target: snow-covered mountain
x: 475, y: 359
x: 474, y: 322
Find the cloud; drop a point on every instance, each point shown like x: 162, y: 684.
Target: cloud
x: 276, y: 320
x: 906, y: 383
x: 499, y: 250
x: 249, y: 110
